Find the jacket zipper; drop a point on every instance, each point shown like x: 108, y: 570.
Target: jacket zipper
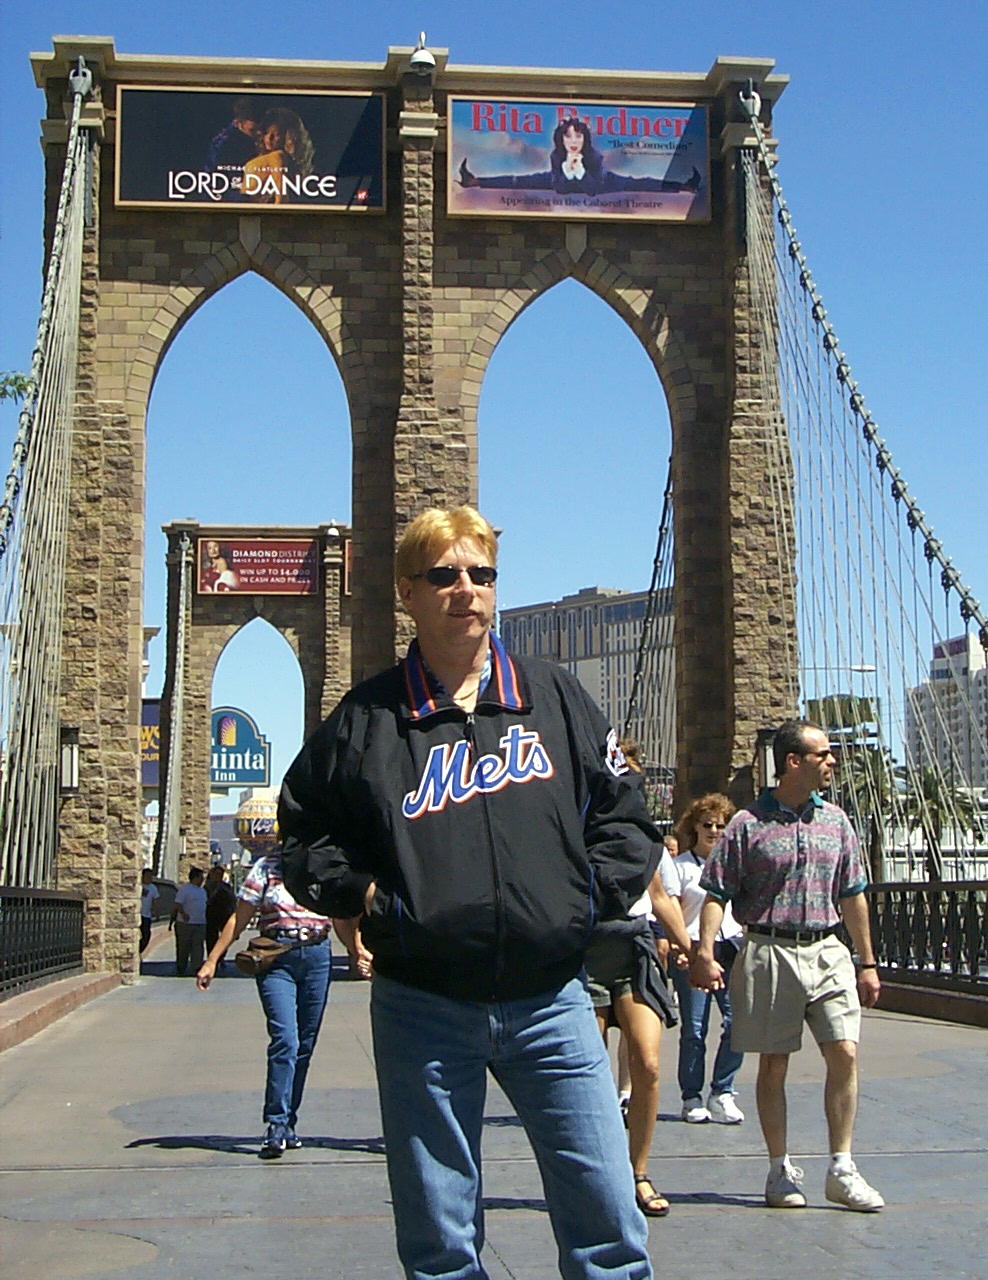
x: 495, y: 876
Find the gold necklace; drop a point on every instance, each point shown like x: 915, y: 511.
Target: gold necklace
x: 465, y: 696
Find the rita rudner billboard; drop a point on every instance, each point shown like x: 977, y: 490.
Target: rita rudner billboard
x: 197, y: 148
x: 546, y: 159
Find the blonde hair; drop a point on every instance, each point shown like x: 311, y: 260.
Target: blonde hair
x: 714, y: 803
x: 435, y: 531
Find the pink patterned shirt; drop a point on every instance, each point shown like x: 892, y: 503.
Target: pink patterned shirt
x: 778, y: 867
x: 277, y: 909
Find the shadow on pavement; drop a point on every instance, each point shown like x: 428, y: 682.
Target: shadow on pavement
x: 166, y: 969
x: 715, y: 1197
x: 509, y: 1202
x: 249, y: 1146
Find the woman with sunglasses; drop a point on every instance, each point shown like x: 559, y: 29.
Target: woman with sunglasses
x: 699, y: 830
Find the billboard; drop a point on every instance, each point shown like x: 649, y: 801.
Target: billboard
x: 258, y: 566
x: 838, y: 711
x: 150, y: 741
x: 262, y: 150
x: 541, y: 158
x: 239, y: 755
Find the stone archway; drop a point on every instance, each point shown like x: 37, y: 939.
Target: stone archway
x: 411, y: 303
x: 315, y: 624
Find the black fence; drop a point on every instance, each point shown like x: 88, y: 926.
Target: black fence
x: 926, y: 933
x: 40, y: 937
x: 932, y: 933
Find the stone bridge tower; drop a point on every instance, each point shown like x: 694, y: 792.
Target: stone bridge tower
x: 411, y: 302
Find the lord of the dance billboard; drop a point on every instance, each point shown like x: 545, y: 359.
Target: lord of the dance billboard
x: 201, y: 148
x: 544, y: 158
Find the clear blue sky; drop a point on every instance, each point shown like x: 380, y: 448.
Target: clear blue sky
x: 882, y: 161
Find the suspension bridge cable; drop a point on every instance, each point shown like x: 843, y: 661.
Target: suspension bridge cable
x: 33, y: 539
x: 650, y: 716
x: 168, y: 850
x: 863, y: 612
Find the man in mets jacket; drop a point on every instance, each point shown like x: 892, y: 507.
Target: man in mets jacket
x: 476, y: 809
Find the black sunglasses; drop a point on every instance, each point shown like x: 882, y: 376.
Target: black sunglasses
x: 481, y: 575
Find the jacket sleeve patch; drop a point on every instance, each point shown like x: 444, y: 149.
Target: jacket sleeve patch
x: 614, y: 757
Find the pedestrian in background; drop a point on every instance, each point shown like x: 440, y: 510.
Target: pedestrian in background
x: 293, y: 992
x: 221, y: 903
x: 149, y: 896
x: 699, y: 829
x: 790, y: 865
x: 189, y: 921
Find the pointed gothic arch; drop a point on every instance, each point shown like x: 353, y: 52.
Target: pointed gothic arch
x: 203, y: 281
x: 411, y: 302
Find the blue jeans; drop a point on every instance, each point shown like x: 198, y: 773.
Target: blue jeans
x: 545, y: 1052
x: 694, y: 1012
x: 293, y: 992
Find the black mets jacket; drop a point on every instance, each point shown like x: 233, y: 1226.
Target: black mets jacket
x: 496, y: 839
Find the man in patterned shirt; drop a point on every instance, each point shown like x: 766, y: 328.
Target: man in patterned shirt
x: 789, y: 865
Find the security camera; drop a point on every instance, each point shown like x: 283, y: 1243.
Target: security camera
x: 422, y: 60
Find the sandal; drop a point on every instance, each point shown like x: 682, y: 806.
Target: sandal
x: 653, y: 1206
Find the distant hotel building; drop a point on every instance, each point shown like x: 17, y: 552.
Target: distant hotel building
x: 596, y: 634
x: 947, y: 715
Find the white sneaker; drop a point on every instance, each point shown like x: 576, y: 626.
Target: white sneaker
x: 723, y: 1109
x: 783, y: 1188
x: 694, y: 1112
x: 847, y: 1187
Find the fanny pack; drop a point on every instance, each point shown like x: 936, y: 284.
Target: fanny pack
x: 259, y: 955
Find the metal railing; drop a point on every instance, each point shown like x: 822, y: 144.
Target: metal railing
x: 40, y: 937
x: 932, y: 933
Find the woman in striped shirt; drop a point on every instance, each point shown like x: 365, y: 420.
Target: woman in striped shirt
x: 293, y: 992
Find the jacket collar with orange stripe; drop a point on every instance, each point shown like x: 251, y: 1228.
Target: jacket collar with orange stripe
x: 506, y: 688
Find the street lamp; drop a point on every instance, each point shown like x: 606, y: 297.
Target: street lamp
x: 68, y: 772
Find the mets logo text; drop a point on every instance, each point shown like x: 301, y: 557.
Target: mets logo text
x: 451, y: 776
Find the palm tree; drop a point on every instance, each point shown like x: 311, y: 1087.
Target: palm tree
x: 865, y: 788
x: 13, y: 386
x: 932, y: 804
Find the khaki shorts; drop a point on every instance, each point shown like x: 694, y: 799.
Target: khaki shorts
x: 610, y: 965
x: 777, y: 985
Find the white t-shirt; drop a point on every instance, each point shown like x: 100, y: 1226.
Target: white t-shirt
x: 149, y: 896
x: 192, y: 899
x: 670, y: 882
x: 688, y: 867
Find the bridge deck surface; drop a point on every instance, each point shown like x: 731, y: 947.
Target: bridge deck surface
x: 129, y: 1130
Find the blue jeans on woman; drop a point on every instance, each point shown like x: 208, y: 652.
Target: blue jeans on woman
x: 432, y: 1055
x: 694, y: 1012
x: 293, y: 992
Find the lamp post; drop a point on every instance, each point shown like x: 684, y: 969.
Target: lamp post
x: 68, y: 761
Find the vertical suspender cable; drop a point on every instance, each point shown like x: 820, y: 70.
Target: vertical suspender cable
x: 33, y: 540
x: 170, y: 836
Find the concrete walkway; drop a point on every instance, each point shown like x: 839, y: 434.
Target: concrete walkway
x: 129, y: 1131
